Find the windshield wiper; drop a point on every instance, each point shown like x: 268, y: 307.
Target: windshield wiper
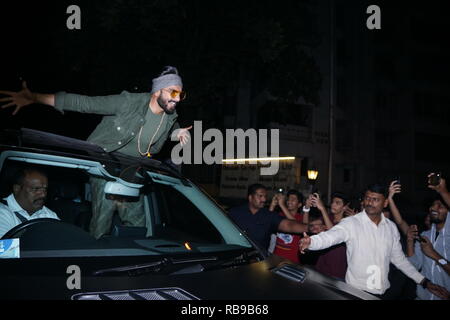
x: 151, y: 267
x: 241, y: 259
x: 134, y: 269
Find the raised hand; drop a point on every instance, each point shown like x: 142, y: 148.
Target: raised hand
x: 394, y: 188
x: 308, y: 202
x: 274, y: 202
x: 441, y: 187
x: 349, y: 211
x: 281, y: 200
x: 317, y: 202
x: 19, y: 99
x: 183, y: 135
x: 412, y: 233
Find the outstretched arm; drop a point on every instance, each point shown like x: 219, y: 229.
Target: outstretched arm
x: 282, y: 204
x: 393, y: 189
x: 25, y: 97
x: 323, y: 240
x: 317, y: 202
x: 292, y: 226
x: 103, y: 105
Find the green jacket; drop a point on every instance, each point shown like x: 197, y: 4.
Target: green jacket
x: 123, y: 117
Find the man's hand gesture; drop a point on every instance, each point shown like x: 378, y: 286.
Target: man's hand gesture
x: 19, y: 99
x: 183, y: 135
x: 304, y: 243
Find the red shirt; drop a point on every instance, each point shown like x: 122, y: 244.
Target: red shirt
x: 333, y: 261
x: 287, y: 244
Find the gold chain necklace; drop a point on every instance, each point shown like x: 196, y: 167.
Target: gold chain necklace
x: 147, y: 154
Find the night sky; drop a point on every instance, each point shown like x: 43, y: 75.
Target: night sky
x: 122, y: 45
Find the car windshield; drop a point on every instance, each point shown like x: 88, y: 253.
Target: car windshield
x: 114, y: 210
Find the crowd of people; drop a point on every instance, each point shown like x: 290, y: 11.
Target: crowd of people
x: 369, y: 245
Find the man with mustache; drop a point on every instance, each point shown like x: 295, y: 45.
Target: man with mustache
x: 27, y: 200
x: 258, y: 222
x: 372, y: 243
x: 135, y: 124
x: 431, y: 251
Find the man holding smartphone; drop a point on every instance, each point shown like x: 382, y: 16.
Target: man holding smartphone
x: 431, y: 251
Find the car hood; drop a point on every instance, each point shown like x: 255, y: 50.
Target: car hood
x: 271, y: 279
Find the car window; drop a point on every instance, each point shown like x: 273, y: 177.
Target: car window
x: 183, y: 218
x: 174, y: 215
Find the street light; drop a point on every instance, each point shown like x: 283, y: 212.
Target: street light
x: 312, y: 177
x: 312, y: 174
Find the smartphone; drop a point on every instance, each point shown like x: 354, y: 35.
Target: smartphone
x: 280, y: 190
x: 397, y: 180
x: 434, y: 179
x: 316, y: 190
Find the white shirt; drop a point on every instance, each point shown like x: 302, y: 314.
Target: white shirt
x: 370, y: 249
x: 9, y: 220
x: 428, y: 266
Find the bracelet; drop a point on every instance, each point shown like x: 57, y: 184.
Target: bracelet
x: 306, y: 209
x: 424, y: 283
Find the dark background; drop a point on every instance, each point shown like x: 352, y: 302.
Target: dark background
x: 392, y: 85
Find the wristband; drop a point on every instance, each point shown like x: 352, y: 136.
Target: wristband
x: 306, y: 209
x: 424, y: 283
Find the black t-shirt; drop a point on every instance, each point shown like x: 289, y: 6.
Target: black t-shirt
x: 259, y: 226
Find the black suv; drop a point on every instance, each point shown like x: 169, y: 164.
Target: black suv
x: 188, y: 249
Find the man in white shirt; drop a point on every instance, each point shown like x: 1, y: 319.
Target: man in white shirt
x: 26, y: 202
x: 372, y: 243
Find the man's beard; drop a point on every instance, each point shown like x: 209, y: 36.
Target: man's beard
x: 435, y: 220
x: 434, y: 217
x: 164, y: 105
